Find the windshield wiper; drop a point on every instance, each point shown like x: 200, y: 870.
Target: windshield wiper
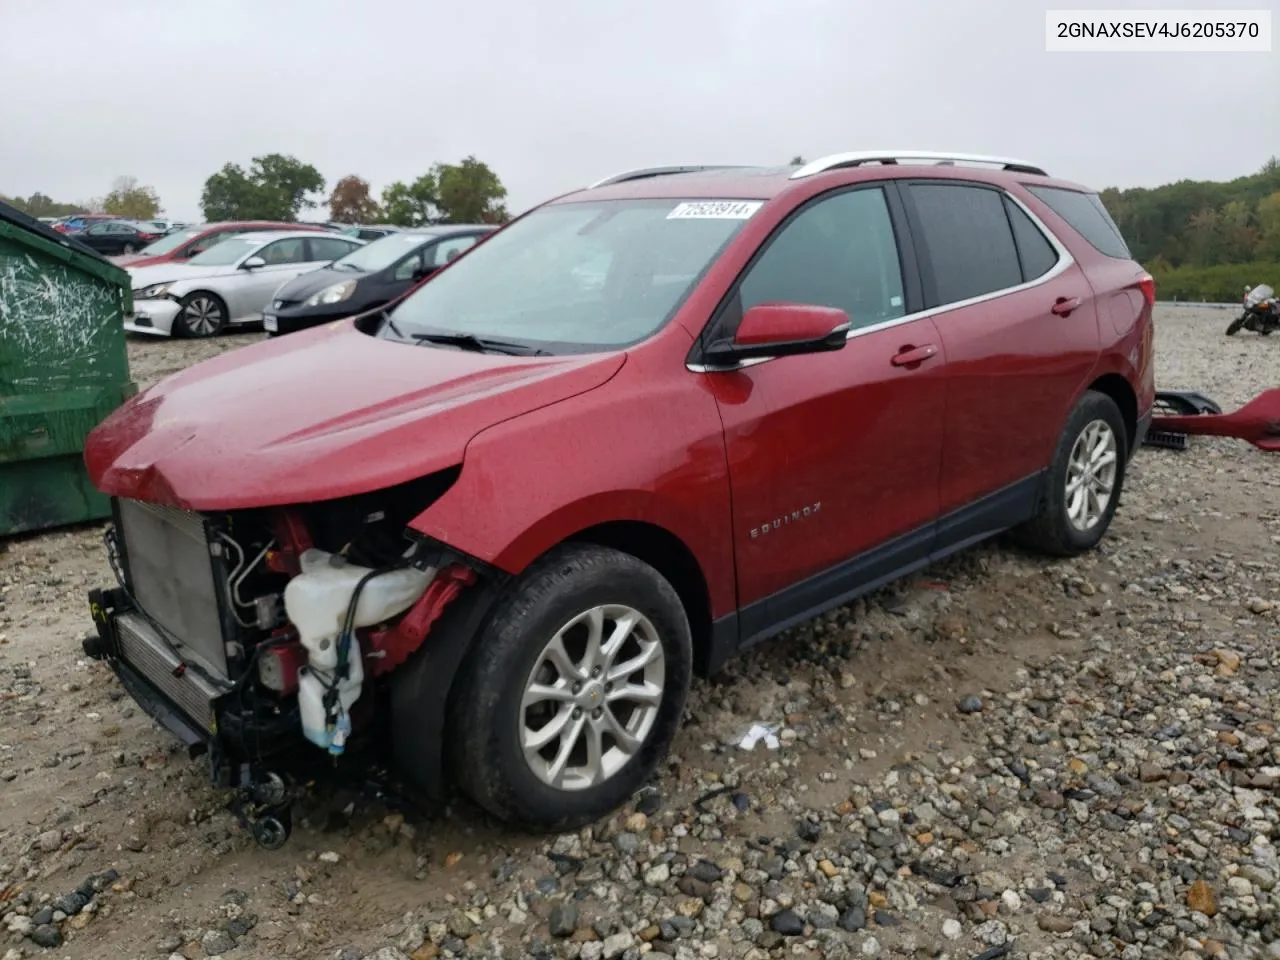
x: 469, y: 341
x: 339, y: 265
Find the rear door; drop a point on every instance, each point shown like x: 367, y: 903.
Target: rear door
x: 1019, y: 324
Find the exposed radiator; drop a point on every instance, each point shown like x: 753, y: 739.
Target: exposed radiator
x: 144, y: 650
x: 172, y: 578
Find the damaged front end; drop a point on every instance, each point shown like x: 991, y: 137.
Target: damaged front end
x: 246, y: 633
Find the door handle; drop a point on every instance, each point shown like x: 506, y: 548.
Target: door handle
x: 1063, y: 306
x: 911, y: 356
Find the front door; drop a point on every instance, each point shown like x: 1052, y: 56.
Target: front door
x: 250, y: 290
x: 833, y: 457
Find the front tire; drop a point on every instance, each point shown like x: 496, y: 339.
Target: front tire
x: 573, y: 692
x: 202, y: 315
x: 1234, y: 327
x: 1083, y: 485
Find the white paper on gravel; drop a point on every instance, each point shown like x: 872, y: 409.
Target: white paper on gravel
x: 760, y: 732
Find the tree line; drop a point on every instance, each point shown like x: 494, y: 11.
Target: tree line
x: 1204, y: 239
x: 279, y: 187
x: 127, y: 199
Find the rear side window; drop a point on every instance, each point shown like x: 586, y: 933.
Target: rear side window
x: 1034, y: 250
x: 326, y: 248
x: 967, y: 240
x: 1087, y: 216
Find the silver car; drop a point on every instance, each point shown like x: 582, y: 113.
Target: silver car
x: 228, y: 284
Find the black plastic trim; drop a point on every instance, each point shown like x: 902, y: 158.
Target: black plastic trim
x: 850, y: 579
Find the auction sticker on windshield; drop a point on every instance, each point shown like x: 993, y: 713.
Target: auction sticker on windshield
x: 715, y: 210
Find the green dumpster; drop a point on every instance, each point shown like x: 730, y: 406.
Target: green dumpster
x: 63, y: 368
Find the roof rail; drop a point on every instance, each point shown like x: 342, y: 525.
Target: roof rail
x: 859, y: 157
x: 644, y: 173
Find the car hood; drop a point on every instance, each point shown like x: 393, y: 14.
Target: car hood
x: 312, y: 282
x: 326, y: 413
x: 170, y: 272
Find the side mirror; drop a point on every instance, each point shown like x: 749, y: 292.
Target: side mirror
x: 424, y: 271
x: 253, y: 263
x: 782, y: 330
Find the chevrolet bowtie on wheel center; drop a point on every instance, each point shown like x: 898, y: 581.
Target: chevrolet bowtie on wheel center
x: 486, y: 533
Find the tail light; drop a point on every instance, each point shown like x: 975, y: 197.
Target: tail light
x: 1148, y: 285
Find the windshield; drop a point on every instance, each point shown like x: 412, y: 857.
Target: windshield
x: 1260, y: 293
x: 575, y: 276
x: 227, y: 252
x: 170, y: 242
x: 380, y: 253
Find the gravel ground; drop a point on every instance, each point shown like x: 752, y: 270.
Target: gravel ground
x: 1004, y: 757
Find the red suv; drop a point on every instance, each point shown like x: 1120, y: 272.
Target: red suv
x: 497, y: 527
x: 186, y: 243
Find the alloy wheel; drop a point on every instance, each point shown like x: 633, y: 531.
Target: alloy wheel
x: 202, y: 316
x: 1091, y: 475
x: 592, y: 698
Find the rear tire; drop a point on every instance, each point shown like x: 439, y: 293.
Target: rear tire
x: 1234, y: 327
x: 1083, y: 485
x: 548, y: 729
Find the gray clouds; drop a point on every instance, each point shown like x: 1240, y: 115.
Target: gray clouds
x: 557, y: 93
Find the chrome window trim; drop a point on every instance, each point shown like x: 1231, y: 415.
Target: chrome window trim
x: 1065, y: 262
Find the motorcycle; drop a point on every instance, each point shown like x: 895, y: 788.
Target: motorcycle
x: 1261, y: 312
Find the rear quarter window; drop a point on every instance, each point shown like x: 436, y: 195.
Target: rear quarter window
x: 1087, y: 216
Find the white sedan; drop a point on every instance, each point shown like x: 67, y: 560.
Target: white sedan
x: 227, y: 285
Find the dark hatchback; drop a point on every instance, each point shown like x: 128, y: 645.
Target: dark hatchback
x: 369, y: 277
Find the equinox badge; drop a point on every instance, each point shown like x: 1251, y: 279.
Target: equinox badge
x: 795, y: 516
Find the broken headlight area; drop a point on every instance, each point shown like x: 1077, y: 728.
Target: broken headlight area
x: 245, y: 633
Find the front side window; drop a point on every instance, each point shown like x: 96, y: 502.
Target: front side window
x: 570, y: 277
x: 839, y: 252
x: 967, y: 240
x: 284, y: 251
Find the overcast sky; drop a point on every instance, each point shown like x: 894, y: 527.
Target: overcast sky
x: 555, y: 93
